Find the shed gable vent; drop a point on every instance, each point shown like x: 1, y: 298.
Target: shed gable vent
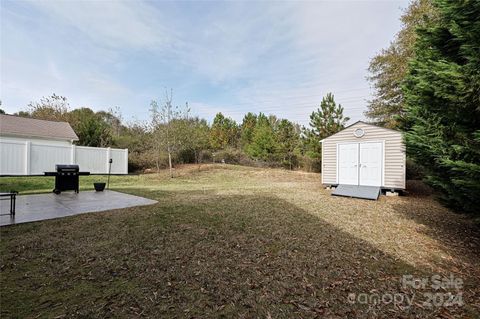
x: 359, y: 132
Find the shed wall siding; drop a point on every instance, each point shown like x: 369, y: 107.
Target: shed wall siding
x: 394, y: 153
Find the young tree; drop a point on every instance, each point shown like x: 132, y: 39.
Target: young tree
x: 328, y: 119
x: 442, y: 95
x: 224, y: 132
x: 388, y: 69
x: 325, y: 121
x: 167, y: 128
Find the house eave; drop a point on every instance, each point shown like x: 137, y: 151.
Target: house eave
x: 56, y: 138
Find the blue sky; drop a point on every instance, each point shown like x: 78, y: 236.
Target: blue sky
x: 234, y: 57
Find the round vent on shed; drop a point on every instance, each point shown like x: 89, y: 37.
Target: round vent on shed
x: 359, y: 132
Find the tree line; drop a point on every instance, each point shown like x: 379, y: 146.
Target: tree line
x: 172, y: 135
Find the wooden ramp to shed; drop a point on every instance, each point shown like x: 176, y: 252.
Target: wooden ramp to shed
x: 365, y: 192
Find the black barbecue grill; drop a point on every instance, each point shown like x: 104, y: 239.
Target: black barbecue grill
x: 66, y: 177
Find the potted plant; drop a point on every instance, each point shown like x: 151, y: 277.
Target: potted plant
x: 99, y: 187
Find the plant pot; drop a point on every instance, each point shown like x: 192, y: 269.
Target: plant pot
x: 99, y: 187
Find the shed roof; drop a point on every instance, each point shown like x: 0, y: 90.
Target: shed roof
x: 29, y: 127
x: 357, y: 122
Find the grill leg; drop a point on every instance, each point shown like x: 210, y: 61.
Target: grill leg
x: 12, y: 204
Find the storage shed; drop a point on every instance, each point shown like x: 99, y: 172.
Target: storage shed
x: 366, y: 155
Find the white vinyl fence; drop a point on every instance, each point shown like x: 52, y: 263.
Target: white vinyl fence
x: 32, y: 158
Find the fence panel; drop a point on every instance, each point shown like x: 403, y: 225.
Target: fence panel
x: 12, y: 161
x: 120, y: 161
x: 27, y: 158
x: 91, y: 159
x: 44, y: 157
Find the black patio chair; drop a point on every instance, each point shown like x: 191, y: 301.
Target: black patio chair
x: 13, y: 197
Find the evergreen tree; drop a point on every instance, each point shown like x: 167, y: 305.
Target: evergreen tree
x: 263, y: 146
x: 248, y: 126
x: 388, y: 69
x: 288, y: 138
x: 224, y: 132
x: 325, y: 121
x: 328, y: 119
x: 310, y: 144
x: 442, y: 94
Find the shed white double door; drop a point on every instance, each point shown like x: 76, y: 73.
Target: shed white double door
x: 360, y: 163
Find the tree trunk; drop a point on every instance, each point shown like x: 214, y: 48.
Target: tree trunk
x: 157, y: 162
x: 170, y: 164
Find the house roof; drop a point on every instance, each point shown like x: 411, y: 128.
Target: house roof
x: 356, y: 124
x: 28, y: 127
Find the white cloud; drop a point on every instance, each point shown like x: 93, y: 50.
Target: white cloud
x: 234, y: 57
x: 116, y: 24
x: 291, y: 54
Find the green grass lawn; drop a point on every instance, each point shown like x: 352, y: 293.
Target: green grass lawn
x: 45, y: 184
x: 230, y: 241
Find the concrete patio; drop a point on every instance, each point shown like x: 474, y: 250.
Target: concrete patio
x: 32, y: 208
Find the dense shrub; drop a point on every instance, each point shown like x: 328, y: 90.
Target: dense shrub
x: 232, y: 156
x: 309, y: 164
x: 414, y: 171
x: 185, y: 156
x: 139, y: 161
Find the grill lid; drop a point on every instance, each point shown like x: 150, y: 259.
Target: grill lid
x: 67, y: 168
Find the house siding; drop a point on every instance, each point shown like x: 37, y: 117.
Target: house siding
x: 23, y: 139
x: 394, y: 170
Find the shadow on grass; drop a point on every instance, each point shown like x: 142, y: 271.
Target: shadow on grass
x: 196, y: 254
x: 459, y: 234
